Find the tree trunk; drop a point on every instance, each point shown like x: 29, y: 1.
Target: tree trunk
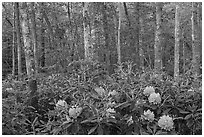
x: 52, y: 41
x: 141, y: 43
x: 13, y: 48
x: 42, y: 41
x: 199, y: 18
x: 184, y: 52
x: 34, y: 36
x: 18, y: 37
x: 88, y: 47
x: 27, y: 41
x: 119, y: 25
x: 176, y: 48
x: 157, y: 46
x: 106, y: 36
x: 195, y: 42
x: 136, y: 37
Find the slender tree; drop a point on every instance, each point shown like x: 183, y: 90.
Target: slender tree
x: 13, y: 48
x: 106, y: 40
x: 141, y: 43
x: 34, y: 36
x: 195, y: 42
x: 157, y: 46
x: 119, y: 27
x: 88, y: 47
x: 136, y: 38
x: 177, y: 39
x: 18, y: 37
x: 42, y: 40
x: 27, y: 41
x: 50, y: 30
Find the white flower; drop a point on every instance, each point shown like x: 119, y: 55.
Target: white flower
x: 154, y: 98
x: 61, y: 103
x: 148, y: 115
x: 111, y: 104
x: 100, y: 91
x: 75, y: 111
x: 148, y: 90
x: 110, y: 112
x: 113, y: 93
x: 166, y: 122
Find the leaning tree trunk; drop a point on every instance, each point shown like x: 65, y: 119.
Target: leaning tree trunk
x: 176, y: 48
x: 18, y: 37
x: 13, y: 48
x: 27, y: 41
x: 157, y: 46
x: 34, y: 36
x: 119, y: 26
x: 195, y: 42
x: 88, y: 47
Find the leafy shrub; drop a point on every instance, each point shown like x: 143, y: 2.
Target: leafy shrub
x: 89, y: 101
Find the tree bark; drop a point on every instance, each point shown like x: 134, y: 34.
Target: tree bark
x: 27, y: 41
x: 50, y: 30
x: 42, y: 41
x: 88, y: 47
x: 18, y: 37
x: 157, y: 46
x: 13, y: 48
x: 176, y: 48
x: 141, y: 43
x: 135, y: 39
x: 195, y: 42
x: 106, y: 36
x: 119, y: 26
x: 34, y: 36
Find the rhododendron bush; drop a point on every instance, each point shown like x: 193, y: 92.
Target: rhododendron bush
x: 118, y: 104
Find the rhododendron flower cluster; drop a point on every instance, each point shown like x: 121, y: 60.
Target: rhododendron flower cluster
x: 100, y: 91
x: 166, y: 122
x: 75, y: 111
x: 148, y: 115
x: 148, y: 90
x: 61, y: 104
x: 110, y: 112
x: 154, y: 98
x: 113, y: 93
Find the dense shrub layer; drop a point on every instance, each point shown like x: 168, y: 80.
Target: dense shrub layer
x: 89, y: 101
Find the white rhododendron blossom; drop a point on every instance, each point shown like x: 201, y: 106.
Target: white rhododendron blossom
x: 75, y: 111
x: 110, y: 112
x: 148, y: 115
x: 148, y: 90
x: 111, y: 104
x: 100, y: 91
x: 166, y: 122
x: 154, y: 98
x: 61, y: 103
x: 112, y: 93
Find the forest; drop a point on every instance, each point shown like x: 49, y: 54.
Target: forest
x: 101, y: 68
